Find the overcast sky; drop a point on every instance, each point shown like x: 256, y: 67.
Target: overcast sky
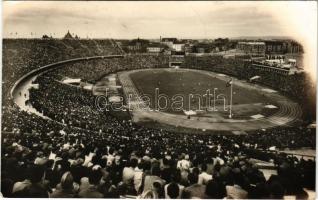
x: 154, y: 19
x: 189, y: 19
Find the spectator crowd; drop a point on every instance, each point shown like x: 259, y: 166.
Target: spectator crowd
x: 299, y: 87
x: 83, y: 152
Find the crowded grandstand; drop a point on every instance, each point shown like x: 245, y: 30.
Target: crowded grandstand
x: 58, y: 144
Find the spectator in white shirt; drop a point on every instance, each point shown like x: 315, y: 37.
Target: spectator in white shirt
x: 138, y: 177
x: 204, y: 177
x: 184, y: 166
x: 129, y: 172
x: 184, y: 163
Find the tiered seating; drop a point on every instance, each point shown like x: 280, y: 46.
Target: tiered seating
x: 87, y: 153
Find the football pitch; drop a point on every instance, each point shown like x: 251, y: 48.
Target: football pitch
x: 150, y: 95
x: 163, y: 86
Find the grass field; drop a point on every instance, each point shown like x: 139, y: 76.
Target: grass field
x: 246, y: 102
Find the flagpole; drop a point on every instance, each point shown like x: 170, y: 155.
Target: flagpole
x: 231, y: 97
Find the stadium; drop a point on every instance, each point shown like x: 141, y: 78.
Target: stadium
x: 51, y: 118
x: 158, y: 100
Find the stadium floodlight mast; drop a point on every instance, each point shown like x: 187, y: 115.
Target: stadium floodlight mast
x: 231, y: 97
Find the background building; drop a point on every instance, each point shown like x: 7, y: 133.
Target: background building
x: 178, y: 46
x: 154, y: 49
x: 252, y: 48
x: 276, y: 47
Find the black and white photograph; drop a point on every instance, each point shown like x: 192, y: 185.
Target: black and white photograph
x: 159, y: 99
